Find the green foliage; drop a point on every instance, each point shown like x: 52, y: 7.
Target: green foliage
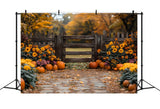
x: 128, y: 75
x: 29, y: 76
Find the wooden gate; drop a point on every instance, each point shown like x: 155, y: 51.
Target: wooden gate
x: 63, y: 42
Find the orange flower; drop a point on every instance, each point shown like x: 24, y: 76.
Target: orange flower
x: 53, y: 51
x: 52, y: 59
x: 135, y: 57
x: 130, y: 51
x: 134, y: 54
x: 22, y: 45
x: 122, y: 57
x: 99, y: 50
x: 30, y: 45
x: 108, y: 52
x: 126, y: 57
x: 104, y: 58
x: 44, y: 55
x: 39, y: 56
x: 33, y: 49
x: 34, y: 54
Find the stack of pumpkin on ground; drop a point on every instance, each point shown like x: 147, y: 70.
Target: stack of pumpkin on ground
x: 59, y: 65
x: 131, y: 87
x: 99, y: 63
x: 129, y: 76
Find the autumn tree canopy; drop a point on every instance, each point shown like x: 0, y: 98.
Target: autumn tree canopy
x: 77, y: 24
x: 36, y: 22
x: 85, y: 23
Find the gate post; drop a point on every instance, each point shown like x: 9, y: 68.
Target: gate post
x: 94, y: 57
x: 58, y: 46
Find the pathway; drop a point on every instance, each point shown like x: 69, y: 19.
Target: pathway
x: 78, y: 81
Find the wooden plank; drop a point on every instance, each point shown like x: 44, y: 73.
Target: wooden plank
x: 79, y: 37
x: 42, y: 39
x: 78, y: 60
x: 78, y: 45
x: 79, y: 53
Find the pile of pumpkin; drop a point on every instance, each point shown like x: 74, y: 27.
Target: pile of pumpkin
x: 103, y: 65
x: 59, y: 65
x: 129, y: 76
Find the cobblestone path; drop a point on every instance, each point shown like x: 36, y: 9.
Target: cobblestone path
x: 78, y: 81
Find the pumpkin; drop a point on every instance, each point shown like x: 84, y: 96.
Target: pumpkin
x: 55, y: 67
x: 115, y: 69
x: 38, y: 68
x: 34, y: 62
x: 41, y: 69
x: 108, y: 67
x: 125, y: 83
x: 119, y: 66
x: 93, y: 65
x: 22, y: 84
x: 101, y: 64
x: 131, y: 87
x: 135, y: 86
x: 61, y: 65
x: 98, y: 61
x: 49, y: 67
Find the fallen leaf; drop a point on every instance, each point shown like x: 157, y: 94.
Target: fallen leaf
x: 81, y: 82
x: 108, y: 77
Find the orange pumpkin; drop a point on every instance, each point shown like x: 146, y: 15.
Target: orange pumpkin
x: 93, y: 65
x: 101, y: 64
x: 119, y: 66
x: 41, y: 69
x: 49, y: 67
x: 131, y: 87
x: 38, y: 68
x: 34, y: 62
x: 55, y: 67
x: 61, y: 65
x: 125, y: 83
x: 22, y: 84
x: 98, y: 61
x: 135, y: 86
x: 108, y: 67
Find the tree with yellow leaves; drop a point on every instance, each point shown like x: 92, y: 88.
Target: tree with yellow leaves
x: 36, y: 22
x: 85, y: 23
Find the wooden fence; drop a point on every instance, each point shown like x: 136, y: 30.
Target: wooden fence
x: 60, y: 43
x: 42, y: 39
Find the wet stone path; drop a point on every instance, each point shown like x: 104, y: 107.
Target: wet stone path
x: 78, y: 81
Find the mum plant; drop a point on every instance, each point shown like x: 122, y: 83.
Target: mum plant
x: 116, y: 52
x: 28, y: 71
